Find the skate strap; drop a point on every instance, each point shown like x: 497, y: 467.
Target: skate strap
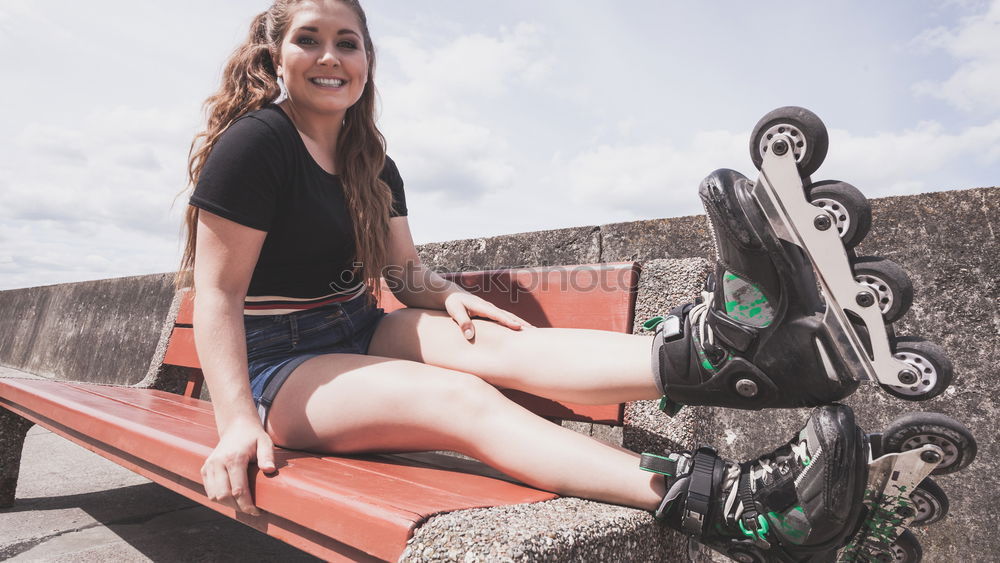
x: 752, y: 523
x: 699, y: 493
x: 674, y: 465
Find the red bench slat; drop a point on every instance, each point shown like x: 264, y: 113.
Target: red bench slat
x: 370, y: 504
x: 181, y: 350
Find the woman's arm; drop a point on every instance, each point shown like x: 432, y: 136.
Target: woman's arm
x: 416, y: 285
x: 225, y: 256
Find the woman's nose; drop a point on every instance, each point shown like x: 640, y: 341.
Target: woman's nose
x: 328, y: 58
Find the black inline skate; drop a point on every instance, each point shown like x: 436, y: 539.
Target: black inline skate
x: 830, y: 493
x: 791, y: 316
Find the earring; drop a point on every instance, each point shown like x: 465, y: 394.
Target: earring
x: 283, y: 94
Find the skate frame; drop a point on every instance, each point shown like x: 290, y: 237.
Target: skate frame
x: 781, y: 196
x: 891, y: 480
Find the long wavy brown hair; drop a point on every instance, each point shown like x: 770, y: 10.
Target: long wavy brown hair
x: 249, y: 82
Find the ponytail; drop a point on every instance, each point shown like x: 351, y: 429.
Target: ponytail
x: 249, y: 81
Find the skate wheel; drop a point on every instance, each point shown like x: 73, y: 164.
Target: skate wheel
x: 913, y: 430
x: 891, y: 285
x: 906, y: 548
x: 851, y: 212
x: 931, y: 364
x: 930, y: 502
x: 810, y: 140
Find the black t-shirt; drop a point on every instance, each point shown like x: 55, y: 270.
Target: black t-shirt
x: 260, y: 174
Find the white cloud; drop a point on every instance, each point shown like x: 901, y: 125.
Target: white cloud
x: 924, y: 158
x: 661, y: 180
x: 975, y: 84
x: 469, y: 65
x: 93, y: 198
x: 438, y: 107
x: 650, y: 180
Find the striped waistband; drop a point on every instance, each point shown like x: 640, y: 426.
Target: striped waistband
x: 277, y: 305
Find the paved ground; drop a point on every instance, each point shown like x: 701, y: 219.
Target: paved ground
x: 73, y: 505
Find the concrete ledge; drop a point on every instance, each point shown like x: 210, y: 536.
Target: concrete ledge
x: 101, y: 331
x: 581, y: 245
x: 564, y: 529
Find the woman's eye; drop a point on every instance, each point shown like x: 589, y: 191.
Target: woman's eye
x: 305, y: 41
x: 347, y: 45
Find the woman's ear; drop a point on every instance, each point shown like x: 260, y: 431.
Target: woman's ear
x: 276, y: 60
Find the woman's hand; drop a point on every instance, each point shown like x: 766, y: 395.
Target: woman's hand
x: 224, y: 473
x: 462, y: 306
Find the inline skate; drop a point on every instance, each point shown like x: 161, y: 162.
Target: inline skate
x: 791, y: 315
x: 830, y: 493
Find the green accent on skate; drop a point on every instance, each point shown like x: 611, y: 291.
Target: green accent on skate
x: 806, y: 461
x: 786, y: 523
x: 652, y: 323
x: 707, y: 365
x: 745, y: 302
x: 881, y: 527
x: 669, y: 406
x: 761, y: 532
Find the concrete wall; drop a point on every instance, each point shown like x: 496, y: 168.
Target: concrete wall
x: 108, y: 331
x: 102, y: 331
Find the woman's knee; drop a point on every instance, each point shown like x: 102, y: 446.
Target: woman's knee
x: 460, y: 396
x: 396, y: 397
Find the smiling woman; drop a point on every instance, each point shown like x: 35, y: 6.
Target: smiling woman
x: 296, y: 214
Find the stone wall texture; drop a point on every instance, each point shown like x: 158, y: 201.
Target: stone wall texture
x: 102, y: 331
x: 108, y: 331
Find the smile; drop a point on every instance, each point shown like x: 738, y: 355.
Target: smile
x: 331, y: 82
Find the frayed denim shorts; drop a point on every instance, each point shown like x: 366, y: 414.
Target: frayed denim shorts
x: 277, y: 344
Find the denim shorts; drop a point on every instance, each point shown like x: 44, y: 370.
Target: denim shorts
x: 277, y: 344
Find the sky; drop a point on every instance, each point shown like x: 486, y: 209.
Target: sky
x: 503, y: 117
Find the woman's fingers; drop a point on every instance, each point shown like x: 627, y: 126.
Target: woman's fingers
x: 460, y: 314
x: 462, y: 306
x: 265, y: 455
x: 504, y: 317
x: 216, y: 481
x: 224, y: 473
x: 237, y: 471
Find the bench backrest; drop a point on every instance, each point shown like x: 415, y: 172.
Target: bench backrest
x: 600, y: 296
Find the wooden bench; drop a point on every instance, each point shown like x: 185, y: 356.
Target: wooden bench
x: 336, y: 508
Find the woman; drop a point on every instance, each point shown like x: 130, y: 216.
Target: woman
x: 296, y: 213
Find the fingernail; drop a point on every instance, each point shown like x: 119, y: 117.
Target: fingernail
x: 468, y: 334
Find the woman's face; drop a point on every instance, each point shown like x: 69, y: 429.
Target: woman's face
x: 322, y: 59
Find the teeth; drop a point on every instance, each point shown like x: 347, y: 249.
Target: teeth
x: 336, y: 82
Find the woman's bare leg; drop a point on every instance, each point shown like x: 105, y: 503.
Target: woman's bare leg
x: 346, y: 403
x: 580, y: 366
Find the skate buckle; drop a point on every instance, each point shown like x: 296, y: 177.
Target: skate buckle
x: 670, y: 327
x: 693, y: 521
x: 760, y: 529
